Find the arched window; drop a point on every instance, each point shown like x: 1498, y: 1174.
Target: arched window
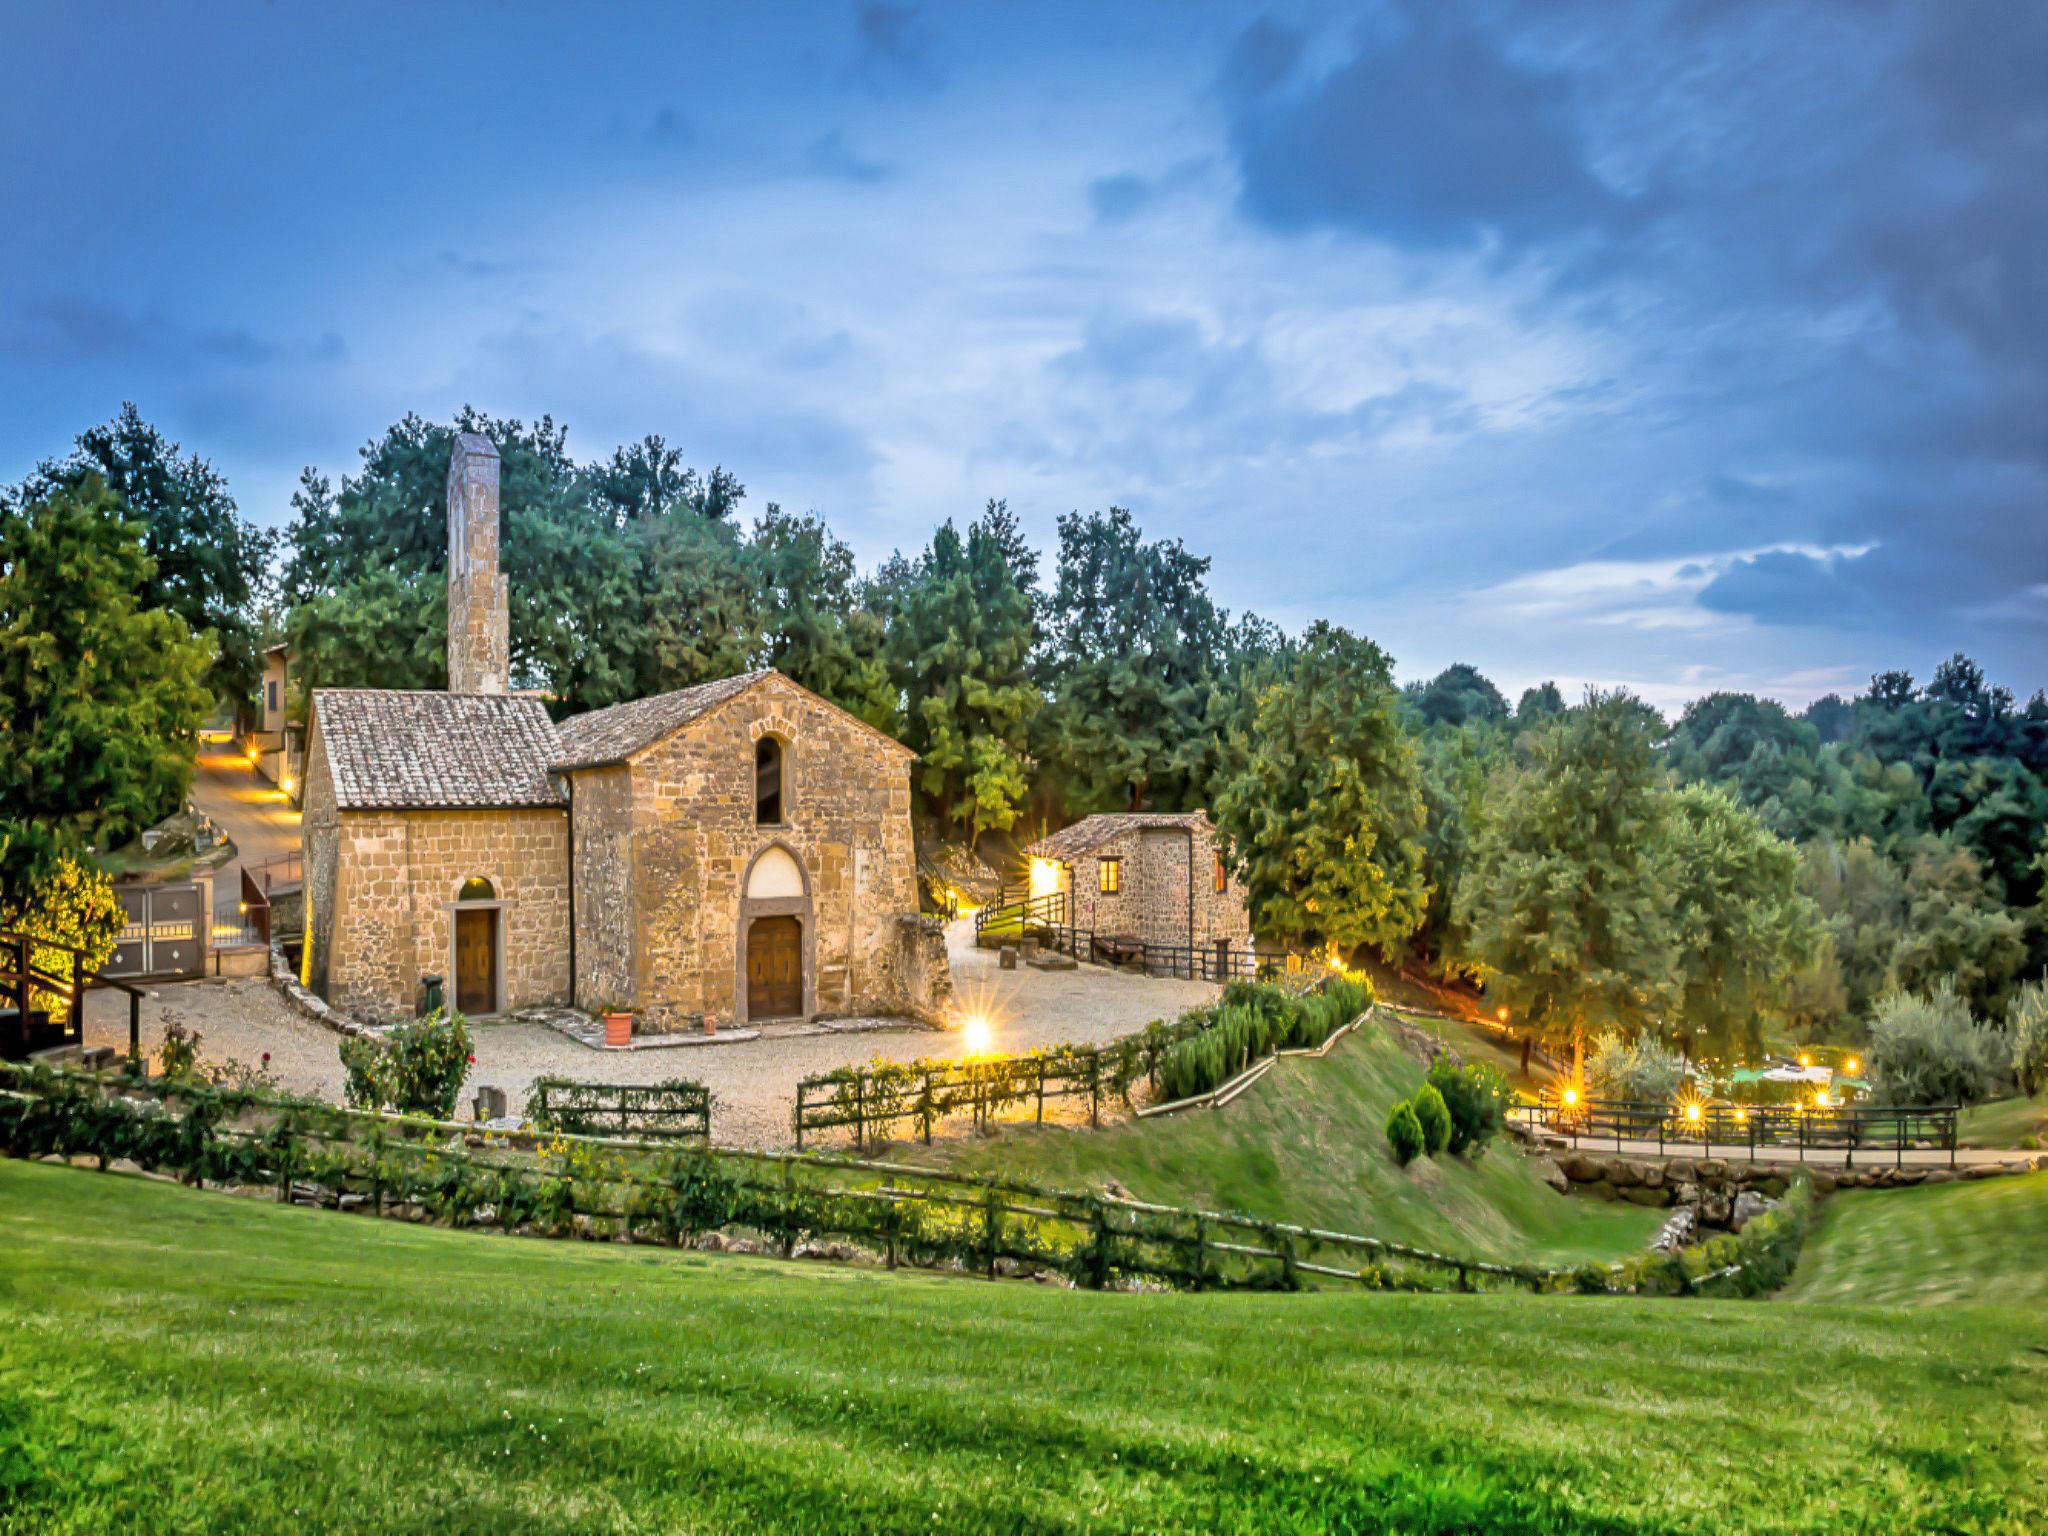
x: 768, y: 782
x: 476, y: 888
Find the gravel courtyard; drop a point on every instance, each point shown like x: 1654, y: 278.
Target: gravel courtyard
x: 755, y: 1080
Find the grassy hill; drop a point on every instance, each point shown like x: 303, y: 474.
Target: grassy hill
x: 1307, y: 1143
x: 2005, y: 1123
x: 1984, y: 1241
x: 171, y: 1360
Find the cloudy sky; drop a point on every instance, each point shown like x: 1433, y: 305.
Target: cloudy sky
x: 1681, y: 345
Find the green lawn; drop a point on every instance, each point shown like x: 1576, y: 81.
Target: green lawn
x: 1981, y: 1241
x: 2004, y: 1123
x: 1307, y: 1143
x: 172, y: 1360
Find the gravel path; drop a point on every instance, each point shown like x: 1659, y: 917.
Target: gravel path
x: 755, y: 1081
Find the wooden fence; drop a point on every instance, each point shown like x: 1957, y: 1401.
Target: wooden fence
x: 603, y: 1187
x: 677, y: 1110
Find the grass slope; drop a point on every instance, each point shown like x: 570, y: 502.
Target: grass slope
x: 1981, y: 1241
x: 1308, y: 1143
x: 2004, y: 1123
x: 171, y: 1360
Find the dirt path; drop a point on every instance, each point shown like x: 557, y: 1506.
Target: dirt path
x: 255, y: 813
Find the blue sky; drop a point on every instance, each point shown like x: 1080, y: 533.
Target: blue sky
x: 1680, y: 345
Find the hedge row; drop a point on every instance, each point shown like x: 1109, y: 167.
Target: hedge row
x: 1254, y: 1019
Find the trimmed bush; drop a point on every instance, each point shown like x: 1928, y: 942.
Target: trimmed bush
x: 1404, y: 1133
x: 1434, y: 1119
x: 413, y: 1069
x: 1477, y: 1095
x: 1254, y: 1019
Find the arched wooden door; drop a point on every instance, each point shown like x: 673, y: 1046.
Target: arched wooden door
x: 775, y: 968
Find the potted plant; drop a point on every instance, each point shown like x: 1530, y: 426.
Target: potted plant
x: 618, y: 1024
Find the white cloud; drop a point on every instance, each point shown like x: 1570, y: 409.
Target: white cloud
x: 1632, y: 594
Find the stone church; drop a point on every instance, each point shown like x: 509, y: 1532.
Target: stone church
x: 735, y: 852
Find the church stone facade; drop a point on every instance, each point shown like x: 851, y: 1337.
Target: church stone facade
x: 729, y: 853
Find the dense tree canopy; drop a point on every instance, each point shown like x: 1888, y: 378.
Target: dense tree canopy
x: 1323, y: 821
x: 1570, y: 883
x: 101, y: 696
x: 206, y: 564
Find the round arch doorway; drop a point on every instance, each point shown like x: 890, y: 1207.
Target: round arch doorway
x: 777, y: 937
x: 477, y: 954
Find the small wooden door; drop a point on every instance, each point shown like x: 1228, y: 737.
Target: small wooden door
x: 775, y: 968
x: 476, y: 960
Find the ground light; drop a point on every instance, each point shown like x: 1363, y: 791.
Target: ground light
x: 976, y: 1035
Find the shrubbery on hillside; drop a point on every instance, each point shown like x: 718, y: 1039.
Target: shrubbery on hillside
x: 1254, y: 1019
x: 1927, y: 1049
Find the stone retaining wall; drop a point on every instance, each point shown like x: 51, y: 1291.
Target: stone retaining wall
x: 1714, y: 1180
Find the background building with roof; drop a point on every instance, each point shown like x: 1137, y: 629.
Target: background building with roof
x: 1150, y: 875
x: 732, y: 852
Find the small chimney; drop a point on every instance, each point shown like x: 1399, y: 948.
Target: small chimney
x: 479, y: 631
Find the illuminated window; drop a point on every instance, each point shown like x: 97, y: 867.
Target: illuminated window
x: 1109, y: 876
x: 1222, y: 875
x: 767, y: 782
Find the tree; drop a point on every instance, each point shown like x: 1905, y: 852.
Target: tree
x: 1135, y: 652
x: 101, y: 697
x: 817, y: 633
x: 1538, y: 705
x: 1955, y: 929
x: 1459, y: 695
x: 1323, y: 822
x: 961, y: 634
x: 1568, y: 894
x: 48, y: 892
x: 1456, y: 766
x: 208, y: 566
x: 1742, y: 924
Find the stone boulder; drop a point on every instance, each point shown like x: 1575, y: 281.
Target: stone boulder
x: 1554, y: 1176
x: 1715, y: 1208
x: 1748, y: 1206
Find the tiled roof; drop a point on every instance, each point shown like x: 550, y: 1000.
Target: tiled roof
x: 393, y: 750
x: 1093, y: 831
x: 615, y: 734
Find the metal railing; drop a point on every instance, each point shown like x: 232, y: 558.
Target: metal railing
x: 1034, y: 912
x: 1732, y: 1128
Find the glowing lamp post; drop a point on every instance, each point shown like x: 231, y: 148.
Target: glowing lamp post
x: 976, y: 1036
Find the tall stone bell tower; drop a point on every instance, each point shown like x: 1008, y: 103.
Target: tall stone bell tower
x: 479, y: 626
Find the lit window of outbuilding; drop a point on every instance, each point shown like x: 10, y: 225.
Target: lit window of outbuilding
x: 1109, y: 876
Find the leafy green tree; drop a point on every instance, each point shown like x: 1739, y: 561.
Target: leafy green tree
x: 649, y: 479
x: 1956, y: 928
x: 101, y: 697
x: 961, y: 636
x: 1538, y: 705
x: 208, y: 566
x: 1456, y: 767
x: 1136, y: 651
x: 1459, y: 695
x: 1323, y: 822
x: 1861, y: 898
x: 1743, y: 925
x: 817, y: 632
x: 1569, y: 889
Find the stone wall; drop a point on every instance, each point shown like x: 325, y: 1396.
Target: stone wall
x: 846, y: 800
x: 606, y: 952
x: 1715, y: 1180
x: 399, y: 872
x: 479, y: 630
x: 319, y: 844
x: 1159, y: 863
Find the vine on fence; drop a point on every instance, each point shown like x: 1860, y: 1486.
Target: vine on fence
x: 565, y: 1186
x: 1204, y: 1047
x: 677, y: 1108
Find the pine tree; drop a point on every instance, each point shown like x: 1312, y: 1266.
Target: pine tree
x: 1323, y: 820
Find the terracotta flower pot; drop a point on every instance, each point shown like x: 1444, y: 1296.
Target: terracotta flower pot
x: 618, y: 1029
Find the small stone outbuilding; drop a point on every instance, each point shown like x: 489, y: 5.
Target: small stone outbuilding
x: 1149, y: 875
x: 728, y: 853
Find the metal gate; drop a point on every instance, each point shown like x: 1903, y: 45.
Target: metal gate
x: 163, y: 937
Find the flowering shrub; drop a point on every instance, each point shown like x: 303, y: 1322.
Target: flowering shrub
x: 69, y: 903
x: 413, y: 1069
